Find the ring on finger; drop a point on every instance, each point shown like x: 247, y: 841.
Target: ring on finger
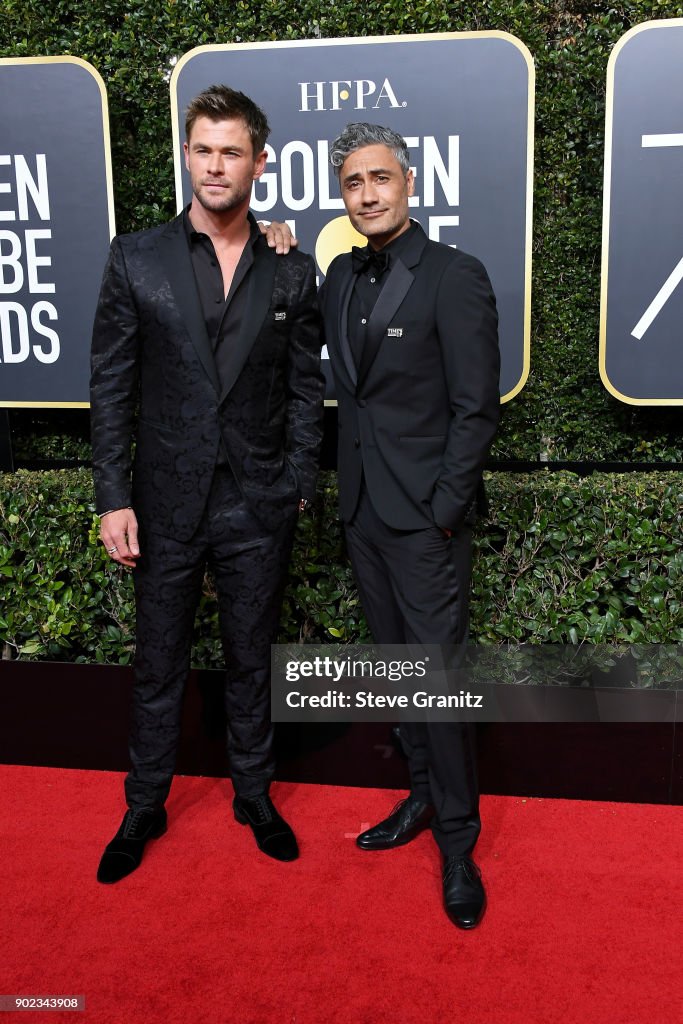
x: 111, y: 550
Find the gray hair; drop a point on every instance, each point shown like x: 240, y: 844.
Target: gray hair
x: 356, y: 136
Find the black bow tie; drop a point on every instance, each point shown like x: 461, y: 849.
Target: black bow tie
x: 364, y: 259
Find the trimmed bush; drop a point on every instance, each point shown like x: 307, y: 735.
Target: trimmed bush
x: 562, y: 559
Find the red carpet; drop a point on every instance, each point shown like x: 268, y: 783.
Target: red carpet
x: 583, y: 925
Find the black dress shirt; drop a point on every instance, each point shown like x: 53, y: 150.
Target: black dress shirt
x: 222, y: 313
x: 367, y: 288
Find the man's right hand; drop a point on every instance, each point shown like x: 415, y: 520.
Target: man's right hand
x: 278, y: 236
x: 119, y: 534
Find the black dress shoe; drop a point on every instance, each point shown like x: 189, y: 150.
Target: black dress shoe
x: 463, y: 893
x: 408, y: 818
x: 273, y: 835
x: 124, y: 853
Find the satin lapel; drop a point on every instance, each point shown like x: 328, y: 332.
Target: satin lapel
x: 175, y: 259
x: 259, y: 283
x: 344, y: 346
x: 392, y: 295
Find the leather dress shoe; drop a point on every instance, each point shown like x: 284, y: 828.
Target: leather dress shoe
x: 124, y: 853
x: 408, y: 818
x: 463, y: 893
x: 273, y: 835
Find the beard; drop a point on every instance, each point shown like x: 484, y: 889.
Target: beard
x: 386, y: 227
x: 224, y: 200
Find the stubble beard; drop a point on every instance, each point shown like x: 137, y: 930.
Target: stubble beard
x: 373, y: 228
x: 221, y: 202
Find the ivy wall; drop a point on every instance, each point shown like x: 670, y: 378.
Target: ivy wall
x: 563, y: 413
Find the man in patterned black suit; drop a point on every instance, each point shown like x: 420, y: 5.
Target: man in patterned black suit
x: 206, y: 354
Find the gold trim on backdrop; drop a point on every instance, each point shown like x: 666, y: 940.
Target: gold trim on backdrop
x: 109, y: 178
x: 427, y: 37
x: 607, y: 188
x: 44, y: 404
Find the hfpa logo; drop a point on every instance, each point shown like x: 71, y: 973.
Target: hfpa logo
x: 361, y: 94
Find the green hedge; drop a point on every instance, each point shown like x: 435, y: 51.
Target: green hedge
x: 564, y: 412
x: 562, y: 559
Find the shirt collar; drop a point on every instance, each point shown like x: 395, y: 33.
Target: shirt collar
x: 194, y: 237
x: 397, y: 245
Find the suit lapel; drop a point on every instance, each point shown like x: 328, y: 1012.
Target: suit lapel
x: 175, y: 258
x: 390, y: 298
x: 334, y: 299
x: 259, y: 282
x: 392, y: 295
x: 344, y: 346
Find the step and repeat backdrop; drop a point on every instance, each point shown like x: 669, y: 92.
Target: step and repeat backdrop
x: 641, y: 355
x: 468, y: 124
x: 463, y: 101
x: 56, y: 220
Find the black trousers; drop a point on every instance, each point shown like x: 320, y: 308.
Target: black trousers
x: 414, y: 588
x: 249, y: 566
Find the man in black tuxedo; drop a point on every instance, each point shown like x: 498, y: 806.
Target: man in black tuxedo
x: 411, y: 329
x: 206, y: 354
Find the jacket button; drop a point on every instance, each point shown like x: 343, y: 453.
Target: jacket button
x: 362, y: 403
x: 356, y: 443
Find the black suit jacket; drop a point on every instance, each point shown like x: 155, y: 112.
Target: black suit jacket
x: 154, y: 380
x: 419, y: 413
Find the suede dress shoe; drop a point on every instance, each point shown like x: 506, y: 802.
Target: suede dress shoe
x: 408, y: 818
x: 273, y: 835
x: 124, y: 853
x: 463, y: 893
